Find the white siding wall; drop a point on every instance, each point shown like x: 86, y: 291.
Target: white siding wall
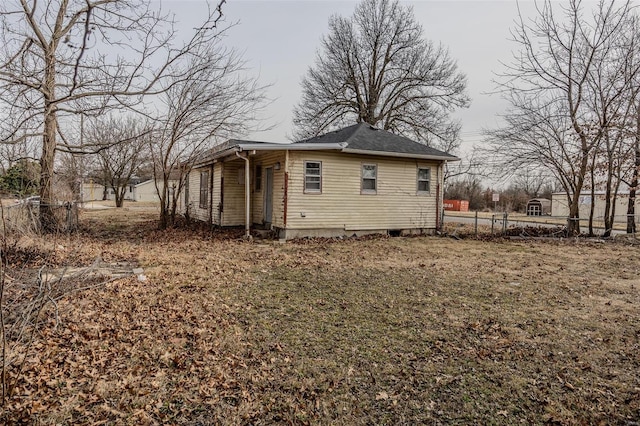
x: 146, y: 191
x: 92, y: 191
x: 341, y: 205
x: 560, y: 206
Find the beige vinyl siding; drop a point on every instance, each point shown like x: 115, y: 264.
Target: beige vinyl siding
x: 341, y: 205
x: 233, y: 212
x: 194, y: 195
x: 214, y: 197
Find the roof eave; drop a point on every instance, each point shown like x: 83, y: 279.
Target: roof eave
x: 401, y: 154
x: 300, y: 146
x: 214, y: 156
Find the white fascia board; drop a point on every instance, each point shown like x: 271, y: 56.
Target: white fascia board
x: 248, y: 147
x: 401, y: 155
x: 214, y: 157
x: 290, y: 146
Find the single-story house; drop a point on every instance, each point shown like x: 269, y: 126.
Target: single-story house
x: 560, y: 205
x: 146, y: 191
x: 91, y: 191
x: 356, y: 180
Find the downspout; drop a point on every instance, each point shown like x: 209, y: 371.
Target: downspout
x: 221, y: 203
x: 438, y: 213
x: 247, y: 197
x: 286, y: 188
x: 210, y: 198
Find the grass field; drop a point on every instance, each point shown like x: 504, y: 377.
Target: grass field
x: 369, y: 331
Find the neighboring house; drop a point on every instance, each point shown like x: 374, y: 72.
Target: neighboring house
x: 356, y: 180
x: 91, y: 191
x: 137, y: 190
x: 146, y: 191
x: 560, y: 205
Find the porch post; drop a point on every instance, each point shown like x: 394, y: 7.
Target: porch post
x: 247, y: 196
x: 247, y: 199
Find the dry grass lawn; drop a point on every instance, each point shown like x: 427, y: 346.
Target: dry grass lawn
x: 371, y: 331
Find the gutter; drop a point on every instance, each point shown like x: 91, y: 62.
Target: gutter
x: 290, y: 146
x: 400, y: 154
x: 341, y: 146
x: 268, y: 147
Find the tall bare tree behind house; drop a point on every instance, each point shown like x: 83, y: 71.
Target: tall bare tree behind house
x: 377, y: 67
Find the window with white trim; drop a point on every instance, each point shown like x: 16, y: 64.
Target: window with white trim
x: 313, y: 177
x: 369, y: 178
x: 424, y: 179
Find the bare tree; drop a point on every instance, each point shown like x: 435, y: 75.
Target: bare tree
x: 562, y: 98
x: 126, y: 149
x: 534, y: 183
x: 216, y: 100
x: 376, y: 67
x: 65, y: 57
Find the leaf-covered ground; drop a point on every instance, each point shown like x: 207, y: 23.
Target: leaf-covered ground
x: 368, y: 331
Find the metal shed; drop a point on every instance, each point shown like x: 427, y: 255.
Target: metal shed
x: 539, y: 207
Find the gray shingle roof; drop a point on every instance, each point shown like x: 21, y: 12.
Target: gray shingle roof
x: 364, y: 137
x: 357, y: 139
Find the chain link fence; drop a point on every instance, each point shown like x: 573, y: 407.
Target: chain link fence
x: 480, y: 223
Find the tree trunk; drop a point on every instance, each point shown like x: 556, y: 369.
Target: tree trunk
x: 631, y: 206
x: 47, y: 218
x: 573, y: 223
x: 164, y: 205
x: 174, y: 208
x: 119, y: 194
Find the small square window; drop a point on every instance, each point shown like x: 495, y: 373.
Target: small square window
x: 424, y: 177
x: 369, y: 178
x: 313, y: 176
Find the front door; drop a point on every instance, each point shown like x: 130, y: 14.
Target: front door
x: 268, y: 196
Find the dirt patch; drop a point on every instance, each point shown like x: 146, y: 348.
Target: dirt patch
x: 357, y: 331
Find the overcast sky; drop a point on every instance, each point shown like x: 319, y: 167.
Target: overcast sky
x: 280, y: 40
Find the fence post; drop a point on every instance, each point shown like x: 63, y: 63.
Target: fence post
x: 504, y: 222
x: 493, y: 219
x: 476, y: 224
